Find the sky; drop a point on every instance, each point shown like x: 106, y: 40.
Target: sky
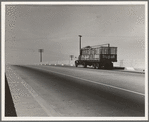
x: 55, y: 28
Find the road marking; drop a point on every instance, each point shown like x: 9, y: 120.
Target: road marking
x: 95, y: 82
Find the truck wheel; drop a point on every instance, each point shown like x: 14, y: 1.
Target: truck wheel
x: 76, y: 64
x: 111, y: 65
x: 94, y: 65
x: 98, y: 65
x: 84, y: 65
x: 106, y: 66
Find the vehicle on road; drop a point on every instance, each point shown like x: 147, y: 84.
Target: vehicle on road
x: 100, y: 56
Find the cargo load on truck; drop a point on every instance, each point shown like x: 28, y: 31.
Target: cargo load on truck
x: 97, y: 56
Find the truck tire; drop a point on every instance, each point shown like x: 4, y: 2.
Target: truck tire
x: 98, y: 65
x: 111, y: 65
x: 94, y: 65
x: 76, y: 64
x: 108, y: 66
x: 84, y: 65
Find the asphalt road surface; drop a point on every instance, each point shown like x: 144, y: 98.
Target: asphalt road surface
x: 85, y: 92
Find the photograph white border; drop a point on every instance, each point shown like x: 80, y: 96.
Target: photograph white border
x: 3, y: 4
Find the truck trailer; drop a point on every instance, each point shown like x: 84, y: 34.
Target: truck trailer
x: 99, y: 56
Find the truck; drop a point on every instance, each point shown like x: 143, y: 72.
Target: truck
x: 99, y: 56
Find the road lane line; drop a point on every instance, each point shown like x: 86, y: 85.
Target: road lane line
x: 95, y: 82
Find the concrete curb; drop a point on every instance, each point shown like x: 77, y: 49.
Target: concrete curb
x: 9, y: 105
x: 24, y: 101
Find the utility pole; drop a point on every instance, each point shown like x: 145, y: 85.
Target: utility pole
x: 80, y: 43
x: 70, y: 60
x: 40, y: 51
x: 71, y: 56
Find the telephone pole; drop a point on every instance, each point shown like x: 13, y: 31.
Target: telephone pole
x: 71, y: 57
x: 40, y: 51
x: 80, y: 43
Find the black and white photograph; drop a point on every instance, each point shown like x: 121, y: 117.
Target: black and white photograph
x: 79, y: 60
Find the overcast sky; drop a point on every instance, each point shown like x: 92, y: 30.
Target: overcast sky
x: 55, y: 28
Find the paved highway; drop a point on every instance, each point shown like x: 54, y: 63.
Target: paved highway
x: 72, y: 91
